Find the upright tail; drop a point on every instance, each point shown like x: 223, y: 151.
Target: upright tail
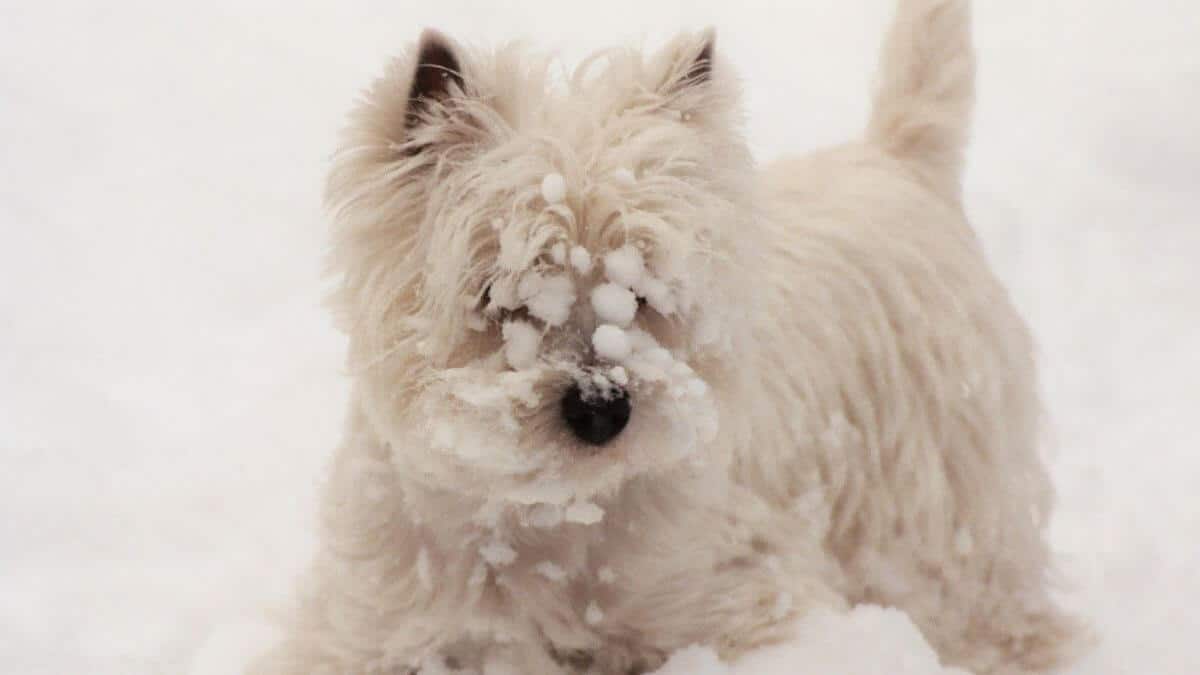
x: 926, y: 90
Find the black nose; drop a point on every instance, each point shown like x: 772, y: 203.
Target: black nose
x: 596, y: 418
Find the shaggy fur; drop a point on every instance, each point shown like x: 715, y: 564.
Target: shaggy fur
x: 833, y: 398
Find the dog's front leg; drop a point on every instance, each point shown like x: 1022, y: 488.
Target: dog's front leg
x: 368, y: 602
x: 734, y: 582
x: 493, y: 658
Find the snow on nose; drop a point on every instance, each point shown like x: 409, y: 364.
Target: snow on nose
x: 594, y: 417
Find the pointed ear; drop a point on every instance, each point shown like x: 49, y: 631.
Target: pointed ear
x: 691, y: 62
x: 702, y: 63
x: 437, y: 75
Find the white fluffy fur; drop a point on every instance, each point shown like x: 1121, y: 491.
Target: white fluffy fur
x: 833, y: 399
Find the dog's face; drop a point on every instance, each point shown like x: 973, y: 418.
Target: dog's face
x: 542, y: 281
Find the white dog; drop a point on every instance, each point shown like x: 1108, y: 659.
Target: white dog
x: 619, y: 391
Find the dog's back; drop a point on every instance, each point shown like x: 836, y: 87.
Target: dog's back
x: 923, y: 375
x: 923, y: 103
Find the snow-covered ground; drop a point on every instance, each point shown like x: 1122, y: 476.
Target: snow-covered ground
x: 169, y: 386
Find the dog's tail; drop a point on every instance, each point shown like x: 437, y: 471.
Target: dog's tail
x: 926, y: 90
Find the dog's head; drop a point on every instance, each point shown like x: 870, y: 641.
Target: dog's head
x: 542, y: 280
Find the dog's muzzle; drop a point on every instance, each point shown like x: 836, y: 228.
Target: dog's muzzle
x: 596, y: 418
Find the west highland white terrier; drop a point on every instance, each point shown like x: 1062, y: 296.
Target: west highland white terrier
x: 619, y: 391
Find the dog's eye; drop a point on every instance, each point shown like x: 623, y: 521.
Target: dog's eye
x: 641, y: 302
x: 485, y: 305
x: 495, y: 313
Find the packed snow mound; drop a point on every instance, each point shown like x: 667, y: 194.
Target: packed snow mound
x: 232, y: 647
x: 866, y: 641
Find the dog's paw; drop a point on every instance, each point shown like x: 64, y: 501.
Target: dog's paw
x: 1026, y: 643
x: 1047, y: 641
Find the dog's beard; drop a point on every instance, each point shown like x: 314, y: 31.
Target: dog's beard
x: 496, y: 437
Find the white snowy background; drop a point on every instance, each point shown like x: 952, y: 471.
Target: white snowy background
x: 170, y: 387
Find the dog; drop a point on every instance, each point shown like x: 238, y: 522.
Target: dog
x: 618, y: 390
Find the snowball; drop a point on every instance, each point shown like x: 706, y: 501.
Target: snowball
x: 593, y: 615
x: 584, y: 513
x: 657, y: 295
x: 619, y: 376
x: 641, y: 341
x: 660, y: 357
x: 554, y: 188
x: 610, y: 343
x: 558, y: 253
x: 614, y: 304
x: 498, y: 553
x: 607, y: 575
x: 581, y: 260
x: 624, y: 176
x: 624, y: 266
x: 503, y: 294
x: 545, y: 516
x: 551, y: 571
x: 521, y: 342
x: 681, y: 369
x: 547, y: 298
